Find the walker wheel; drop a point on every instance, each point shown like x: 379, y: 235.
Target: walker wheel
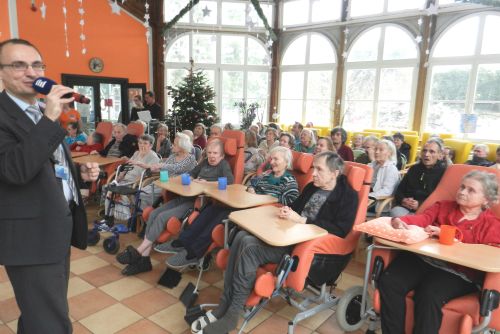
x: 349, y: 309
x: 111, y: 245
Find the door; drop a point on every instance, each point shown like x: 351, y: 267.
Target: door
x: 108, y: 98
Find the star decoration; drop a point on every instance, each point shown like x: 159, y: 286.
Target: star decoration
x: 115, y: 8
x: 64, y: 11
x: 431, y: 10
x: 84, y: 51
x: 145, y: 24
x: 418, y: 39
x: 43, y: 10
x: 146, y: 16
x: 81, y: 11
x: 344, y: 54
x: 206, y: 11
x: 146, y: 5
x: 82, y: 37
x: 419, y: 21
x: 82, y: 22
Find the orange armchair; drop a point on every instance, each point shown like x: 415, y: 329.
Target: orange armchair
x: 460, y: 315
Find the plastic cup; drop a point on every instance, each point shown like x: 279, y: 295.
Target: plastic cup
x: 185, y: 179
x: 448, y: 233
x: 222, y: 185
x: 164, y: 176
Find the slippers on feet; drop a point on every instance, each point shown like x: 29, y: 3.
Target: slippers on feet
x: 198, y: 325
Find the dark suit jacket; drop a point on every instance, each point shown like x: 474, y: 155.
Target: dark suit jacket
x: 36, y: 224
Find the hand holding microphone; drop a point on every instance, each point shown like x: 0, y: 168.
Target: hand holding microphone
x: 56, y: 96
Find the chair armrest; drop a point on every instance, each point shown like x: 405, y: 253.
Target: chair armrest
x: 489, y: 301
x: 492, y: 282
x: 248, y: 177
x: 328, y: 244
x: 383, y: 202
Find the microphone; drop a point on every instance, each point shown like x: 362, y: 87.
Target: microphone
x: 44, y: 85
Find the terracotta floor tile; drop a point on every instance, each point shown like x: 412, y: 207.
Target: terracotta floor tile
x: 5, y: 330
x: 90, y: 302
x: 102, y: 276
x: 78, y: 253
x: 212, y: 276
x: 154, y: 275
x: 277, y: 324
x: 3, y: 275
x: 86, y: 264
x: 276, y: 304
x: 125, y: 287
x: 149, y: 302
x: 9, y: 310
x: 143, y: 326
x: 171, y: 318
x: 259, y: 318
x: 6, y: 291
x: 209, y: 295
x: 177, y: 291
x: 78, y: 286
x: 78, y: 328
x: 110, y: 320
x: 330, y: 326
x: 348, y: 281
x: 109, y: 258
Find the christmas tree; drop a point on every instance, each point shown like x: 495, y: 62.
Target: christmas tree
x: 192, y: 102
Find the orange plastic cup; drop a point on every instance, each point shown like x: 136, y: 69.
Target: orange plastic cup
x: 448, y: 234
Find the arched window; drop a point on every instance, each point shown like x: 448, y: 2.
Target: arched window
x: 463, y: 93
x: 300, y: 12
x: 307, y: 81
x: 358, y: 8
x: 380, y: 79
x: 236, y: 65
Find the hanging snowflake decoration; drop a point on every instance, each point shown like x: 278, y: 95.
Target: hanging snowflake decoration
x: 81, y: 12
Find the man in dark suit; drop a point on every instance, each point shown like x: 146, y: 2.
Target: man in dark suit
x: 41, y: 210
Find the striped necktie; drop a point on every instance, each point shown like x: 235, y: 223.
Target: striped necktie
x: 35, y: 113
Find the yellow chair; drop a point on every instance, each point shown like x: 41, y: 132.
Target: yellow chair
x: 446, y: 135
x: 462, y: 149
x: 369, y: 133
x: 406, y: 132
x: 413, y: 142
x: 349, y: 137
x: 381, y: 131
x: 426, y: 136
x: 492, y: 156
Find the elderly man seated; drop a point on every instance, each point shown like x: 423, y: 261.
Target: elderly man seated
x: 329, y: 202
x: 479, y: 156
x: 421, y: 179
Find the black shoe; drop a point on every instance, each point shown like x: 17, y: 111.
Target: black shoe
x: 140, y: 266
x: 128, y: 256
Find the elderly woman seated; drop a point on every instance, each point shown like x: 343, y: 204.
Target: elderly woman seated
x: 270, y: 141
x: 210, y: 169
x: 436, y: 282
x: 122, y: 144
x: 479, y: 156
x: 328, y: 202
x: 179, y: 161
x: 193, y: 242
x: 307, y: 142
x: 385, y: 174
x: 162, y: 144
x: 141, y: 159
x: 324, y: 144
x: 252, y: 157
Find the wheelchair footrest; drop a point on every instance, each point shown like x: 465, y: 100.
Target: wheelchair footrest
x: 193, y: 313
x: 189, y: 295
x: 170, y: 278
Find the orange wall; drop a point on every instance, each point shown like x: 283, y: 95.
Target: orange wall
x: 119, y: 40
x: 4, y: 20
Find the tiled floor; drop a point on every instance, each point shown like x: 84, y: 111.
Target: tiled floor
x: 103, y: 301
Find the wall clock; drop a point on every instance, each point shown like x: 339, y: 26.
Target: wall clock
x: 96, y: 65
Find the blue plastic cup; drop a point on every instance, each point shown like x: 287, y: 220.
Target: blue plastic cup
x: 222, y: 185
x: 164, y: 176
x: 186, y: 179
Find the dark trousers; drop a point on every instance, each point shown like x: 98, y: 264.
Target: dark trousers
x: 433, y: 287
x: 198, y: 236
x: 41, y: 294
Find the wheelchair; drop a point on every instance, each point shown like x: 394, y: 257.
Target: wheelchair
x: 120, y: 209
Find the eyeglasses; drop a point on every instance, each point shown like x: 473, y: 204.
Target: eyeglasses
x: 22, y: 66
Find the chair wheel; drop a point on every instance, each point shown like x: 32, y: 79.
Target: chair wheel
x: 93, y: 237
x: 111, y: 245
x: 349, y: 309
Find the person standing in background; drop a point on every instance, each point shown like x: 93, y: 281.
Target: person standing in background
x: 42, y: 210
x: 153, y: 107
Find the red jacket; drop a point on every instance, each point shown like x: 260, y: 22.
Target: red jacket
x: 86, y: 148
x: 485, y: 229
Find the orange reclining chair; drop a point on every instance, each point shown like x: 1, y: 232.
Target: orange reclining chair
x: 290, y: 277
x: 461, y: 315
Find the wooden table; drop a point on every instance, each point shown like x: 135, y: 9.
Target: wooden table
x: 475, y: 256
x: 236, y: 196
x: 102, y: 161
x: 264, y: 223
x: 175, y: 185
x: 76, y: 154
